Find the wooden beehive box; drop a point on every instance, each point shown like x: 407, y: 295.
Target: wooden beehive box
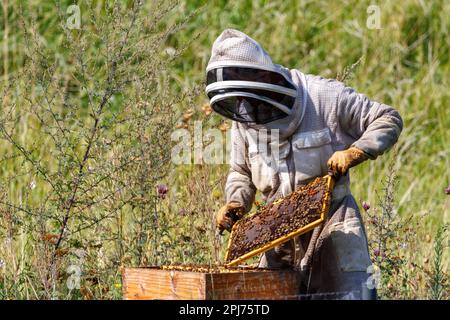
x: 155, y: 283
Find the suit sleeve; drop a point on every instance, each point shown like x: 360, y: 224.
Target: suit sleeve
x: 375, y: 126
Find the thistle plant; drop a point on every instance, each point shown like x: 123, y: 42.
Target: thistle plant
x: 438, y: 278
x: 389, y: 234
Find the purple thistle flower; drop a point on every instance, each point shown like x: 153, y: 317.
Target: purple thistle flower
x: 366, y: 205
x: 377, y: 252
x: 447, y: 190
x: 161, y: 190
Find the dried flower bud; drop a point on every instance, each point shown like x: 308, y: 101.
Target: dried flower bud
x: 207, y: 109
x: 161, y: 190
x: 224, y: 126
x: 49, y: 237
x: 366, y: 205
x: 187, y: 115
x: 61, y: 252
x: 376, y: 252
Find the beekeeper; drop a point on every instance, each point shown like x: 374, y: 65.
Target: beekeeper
x: 312, y: 125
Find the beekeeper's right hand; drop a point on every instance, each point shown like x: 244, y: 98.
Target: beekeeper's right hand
x: 227, y: 216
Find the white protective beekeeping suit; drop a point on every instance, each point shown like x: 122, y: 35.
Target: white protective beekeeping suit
x: 327, y: 116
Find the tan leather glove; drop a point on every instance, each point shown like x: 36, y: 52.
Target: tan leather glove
x: 227, y: 216
x: 341, y: 161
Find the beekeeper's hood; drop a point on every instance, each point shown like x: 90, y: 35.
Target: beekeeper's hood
x: 244, y: 85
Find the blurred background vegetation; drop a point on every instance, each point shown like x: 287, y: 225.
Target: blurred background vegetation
x: 405, y: 63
